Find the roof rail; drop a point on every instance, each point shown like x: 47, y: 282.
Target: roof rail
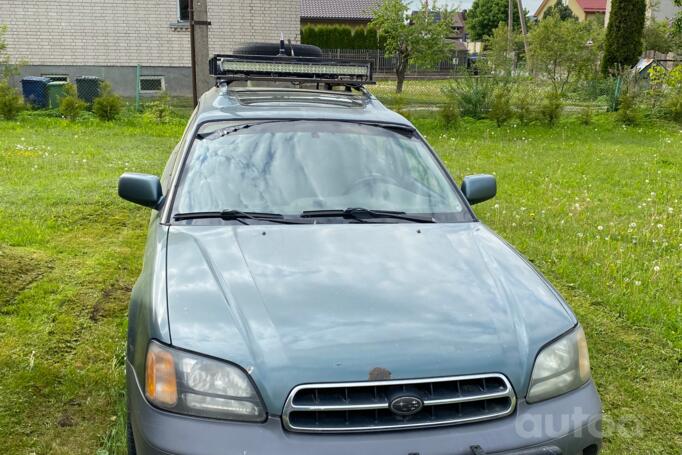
x: 228, y: 68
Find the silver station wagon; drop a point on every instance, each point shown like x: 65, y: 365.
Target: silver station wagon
x: 315, y: 282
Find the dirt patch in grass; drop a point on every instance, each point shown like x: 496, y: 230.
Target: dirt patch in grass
x: 19, y: 268
x: 113, y: 301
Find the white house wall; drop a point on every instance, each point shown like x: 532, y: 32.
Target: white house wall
x: 132, y: 32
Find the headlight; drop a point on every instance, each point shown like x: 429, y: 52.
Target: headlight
x: 186, y: 383
x: 560, y: 367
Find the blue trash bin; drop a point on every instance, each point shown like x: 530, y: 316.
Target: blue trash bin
x: 35, y: 91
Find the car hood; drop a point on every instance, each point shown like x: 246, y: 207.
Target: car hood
x: 334, y: 302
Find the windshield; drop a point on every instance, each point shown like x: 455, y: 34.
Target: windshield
x: 290, y: 167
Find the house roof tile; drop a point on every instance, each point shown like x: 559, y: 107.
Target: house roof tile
x: 338, y: 9
x: 592, y: 6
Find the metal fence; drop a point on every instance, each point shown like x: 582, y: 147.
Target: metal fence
x: 137, y: 89
x: 383, y: 64
x: 47, y: 92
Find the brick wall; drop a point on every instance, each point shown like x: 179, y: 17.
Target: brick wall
x: 131, y: 32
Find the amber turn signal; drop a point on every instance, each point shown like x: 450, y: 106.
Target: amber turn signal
x: 160, y: 383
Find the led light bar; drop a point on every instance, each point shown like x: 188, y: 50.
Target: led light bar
x: 250, y: 67
x: 302, y: 69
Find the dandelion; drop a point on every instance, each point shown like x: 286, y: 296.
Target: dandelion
x: 633, y: 225
x: 497, y: 206
x: 659, y: 225
x: 657, y: 268
x: 653, y: 194
x: 580, y: 235
x: 600, y: 228
x: 670, y: 210
x: 638, y: 283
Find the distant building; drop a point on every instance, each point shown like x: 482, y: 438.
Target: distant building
x: 582, y: 9
x: 355, y: 13
x: 109, y: 38
x: 659, y: 10
x: 459, y: 26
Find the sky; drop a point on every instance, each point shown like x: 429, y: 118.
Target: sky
x: 530, y: 5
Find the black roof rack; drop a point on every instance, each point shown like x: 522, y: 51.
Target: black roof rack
x: 228, y: 68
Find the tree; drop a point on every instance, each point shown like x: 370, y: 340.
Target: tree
x: 563, y: 51
x: 486, y: 15
x: 4, y: 58
x: 677, y: 23
x: 623, y: 45
x: 497, y: 55
x: 561, y: 10
x: 658, y: 36
x: 420, y: 39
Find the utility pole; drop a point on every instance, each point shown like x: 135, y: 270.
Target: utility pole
x: 524, y: 31
x: 510, y: 25
x: 198, y: 30
x: 510, y: 33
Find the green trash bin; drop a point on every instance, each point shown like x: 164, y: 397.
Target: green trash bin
x: 55, y: 92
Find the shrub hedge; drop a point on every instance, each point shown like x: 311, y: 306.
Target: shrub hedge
x: 341, y: 37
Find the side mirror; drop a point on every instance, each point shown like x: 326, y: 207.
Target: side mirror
x: 142, y: 189
x: 479, y: 188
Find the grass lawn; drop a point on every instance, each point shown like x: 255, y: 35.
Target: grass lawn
x: 597, y: 208
x: 422, y: 93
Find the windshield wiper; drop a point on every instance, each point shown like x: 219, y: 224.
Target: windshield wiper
x: 236, y: 215
x: 361, y: 214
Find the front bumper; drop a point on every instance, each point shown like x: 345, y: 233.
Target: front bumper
x: 567, y: 425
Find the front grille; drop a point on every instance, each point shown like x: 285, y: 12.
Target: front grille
x: 366, y: 406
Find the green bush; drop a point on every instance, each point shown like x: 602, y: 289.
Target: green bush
x: 524, y: 106
x: 500, y: 107
x: 449, y: 113
x: 585, y: 115
x: 11, y: 102
x: 159, y: 110
x: 70, y: 106
x: 108, y: 105
x: 673, y: 107
x: 473, y: 94
x: 551, y: 107
x: 628, y: 112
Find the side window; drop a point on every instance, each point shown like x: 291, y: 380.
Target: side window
x: 173, y: 162
x: 183, y: 10
x: 168, y: 170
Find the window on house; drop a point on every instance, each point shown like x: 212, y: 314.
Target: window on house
x: 152, y: 84
x: 57, y: 77
x: 183, y: 10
